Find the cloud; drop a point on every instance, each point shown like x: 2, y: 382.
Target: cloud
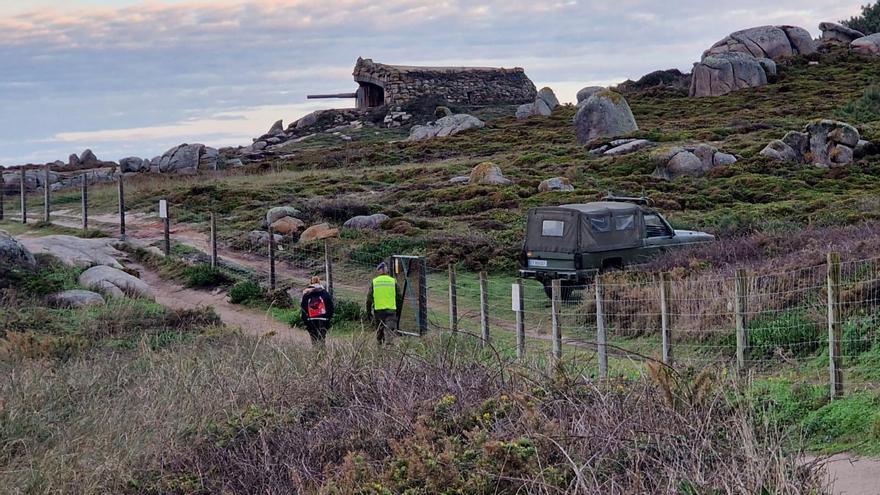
x: 134, y: 76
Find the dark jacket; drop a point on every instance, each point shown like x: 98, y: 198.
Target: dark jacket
x: 312, y: 291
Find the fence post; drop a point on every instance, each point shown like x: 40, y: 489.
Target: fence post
x: 84, y: 199
x: 834, y: 325
x: 742, y: 331
x: 520, y: 320
x: 453, y: 300
x: 213, y: 241
x: 484, y: 308
x: 601, y: 338
x: 23, y: 181
x: 2, y: 198
x: 423, y: 296
x: 328, y: 266
x: 166, y: 234
x: 555, y: 300
x: 121, y: 193
x: 271, y: 258
x: 47, y: 208
x: 665, y: 292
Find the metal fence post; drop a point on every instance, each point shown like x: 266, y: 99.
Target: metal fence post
x: 601, y: 338
x: 484, y: 308
x: 555, y: 302
x: 271, y: 258
x: 742, y: 331
x: 665, y: 292
x: 47, y: 207
x: 213, y: 240
x: 834, y: 326
x: 84, y: 199
x: 453, y: 300
x: 328, y: 266
x: 520, y: 320
x: 23, y: 182
x: 121, y: 192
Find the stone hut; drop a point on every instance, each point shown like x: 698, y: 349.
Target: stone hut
x: 381, y: 84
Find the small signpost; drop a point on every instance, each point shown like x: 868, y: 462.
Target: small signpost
x: 166, y: 221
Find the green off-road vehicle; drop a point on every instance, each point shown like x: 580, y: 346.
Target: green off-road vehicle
x: 574, y: 242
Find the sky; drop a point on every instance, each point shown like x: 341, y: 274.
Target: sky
x: 135, y: 78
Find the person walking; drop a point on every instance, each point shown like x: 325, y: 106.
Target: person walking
x: 316, y: 310
x: 382, y: 302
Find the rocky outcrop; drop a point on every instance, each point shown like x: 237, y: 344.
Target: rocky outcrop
x: 690, y: 161
x: 773, y: 42
x: 279, y: 212
x: 543, y: 105
x: 670, y: 79
x: 866, y: 45
x: 823, y: 143
x: 604, y: 114
x: 834, y: 32
x: 134, y: 164
x: 447, y: 126
x: 488, y: 174
x: 75, y: 251
x: 318, y: 232
x: 276, y: 129
x: 186, y: 159
x: 114, y: 283
x: 559, y: 184
x: 366, y: 222
x: 75, y: 298
x: 13, y: 257
x: 720, y: 74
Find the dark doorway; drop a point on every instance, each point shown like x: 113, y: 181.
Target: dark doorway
x: 370, y: 95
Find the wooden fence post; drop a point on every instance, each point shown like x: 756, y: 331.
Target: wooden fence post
x: 555, y: 302
x: 120, y: 189
x: 271, y: 258
x: 834, y: 325
x: 453, y: 300
x: 23, y: 181
x: 484, y: 308
x: 423, y: 296
x: 328, y: 266
x: 47, y: 206
x: 520, y: 320
x: 601, y: 338
x: 84, y: 199
x: 742, y: 331
x: 166, y: 234
x: 665, y: 292
x: 213, y: 240
x: 2, y: 199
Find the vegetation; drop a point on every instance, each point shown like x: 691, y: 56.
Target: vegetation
x: 868, y: 21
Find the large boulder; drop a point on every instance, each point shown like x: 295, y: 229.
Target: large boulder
x: 446, y: 126
x: 823, y: 143
x: 279, y: 212
x: 866, y: 45
x: 604, y: 114
x: 183, y: 158
x: 318, y: 232
x: 13, y: 257
x: 488, y: 174
x: 720, y: 74
x: 774, y: 42
x: 133, y: 164
x: 277, y: 128
x: 543, y: 105
x: 88, y: 158
x: 366, y: 222
x: 690, y: 161
x: 834, y: 32
x: 585, y: 93
x: 287, y: 225
x: 548, y: 97
x: 114, y: 283
x: 75, y: 251
x: 209, y: 159
x: 75, y: 298
x: 261, y: 238
x: 560, y: 184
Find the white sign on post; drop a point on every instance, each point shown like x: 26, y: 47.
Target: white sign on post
x: 515, y: 297
x: 163, y: 208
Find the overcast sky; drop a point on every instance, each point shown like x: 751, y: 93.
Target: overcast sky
x: 134, y: 77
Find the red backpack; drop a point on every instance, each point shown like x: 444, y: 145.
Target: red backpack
x: 316, y: 307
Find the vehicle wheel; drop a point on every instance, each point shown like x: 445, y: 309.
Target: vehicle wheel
x: 566, y: 290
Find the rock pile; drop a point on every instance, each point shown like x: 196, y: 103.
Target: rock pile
x: 397, y: 119
x: 691, y: 161
x: 604, y: 114
x: 446, y: 126
x: 543, y: 105
x: 823, y: 143
x: 746, y: 58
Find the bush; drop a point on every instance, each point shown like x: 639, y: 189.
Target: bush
x: 792, y: 332
x: 246, y: 292
x: 868, y: 22
x: 865, y: 109
x: 204, y: 276
x: 341, y: 209
x: 859, y: 334
x: 347, y: 311
x: 51, y: 277
x: 849, y: 418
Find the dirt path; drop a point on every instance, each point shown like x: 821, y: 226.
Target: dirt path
x: 854, y: 475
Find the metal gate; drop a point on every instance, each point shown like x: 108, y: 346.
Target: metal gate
x: 412, y: 282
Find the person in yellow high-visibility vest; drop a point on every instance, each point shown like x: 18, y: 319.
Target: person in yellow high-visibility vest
x: 382, y: 303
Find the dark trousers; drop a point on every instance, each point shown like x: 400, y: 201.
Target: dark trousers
x: 386, y: 325
x: 317, y: 329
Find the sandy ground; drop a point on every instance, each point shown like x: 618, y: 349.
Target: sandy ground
x: 854, y: 475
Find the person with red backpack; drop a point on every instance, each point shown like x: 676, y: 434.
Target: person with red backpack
x: 316, y: 309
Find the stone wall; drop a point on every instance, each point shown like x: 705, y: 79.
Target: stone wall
x: 456, y: 85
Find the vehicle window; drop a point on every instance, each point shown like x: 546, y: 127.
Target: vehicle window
x: 552, y: 228
x: 625, y: 222
x: 601, y: 224
x: 654, y: 227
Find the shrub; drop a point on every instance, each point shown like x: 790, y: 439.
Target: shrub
x: 792, y: 332
x: 341, y: 209
x: 204, y: 276
x: 347, y: 310
x: 865, y: 109
x: 859, y: 334
x: 246, y: 292
x: 851, y: 417
x: 52, y: 276
x: 868, y: 21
